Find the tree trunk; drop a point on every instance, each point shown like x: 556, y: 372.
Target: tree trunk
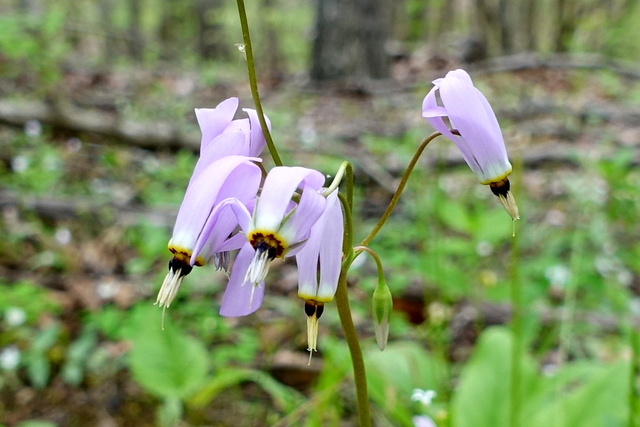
x: 109, y: 47
x: 530, y: 25
x: 349, y: 42
x: 566, y: 24
x: 210, y: 37
x: 136, y: 41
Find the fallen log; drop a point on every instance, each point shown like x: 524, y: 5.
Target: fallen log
x: 64, y: 115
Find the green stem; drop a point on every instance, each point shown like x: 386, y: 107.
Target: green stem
x: 344, y: 309
x: 634, y: 373
x: 336, y: 180
x: 351, y: 336
x: 396, y: 197
x: 567, y: 314
x: 375, y: 257
x: 253, y: 83
x: 517, y: 347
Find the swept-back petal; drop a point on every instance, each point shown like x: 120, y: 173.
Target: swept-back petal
x: 278, y: 188
x: 226, y: 216
x: 241, y: 298
x: 470, y: 113
x: 234, y: 172
x: 331, y: 249
x: 257, y: 139
x: 319, y: 259
x: 226, y: 144
x: 309, y: 209
x: 307, y: 260
x: 213, y: 121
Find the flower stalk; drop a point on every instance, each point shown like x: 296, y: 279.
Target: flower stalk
x: 253, y: 82
x: 396, y: 196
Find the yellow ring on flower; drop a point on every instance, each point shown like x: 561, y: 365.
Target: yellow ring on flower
x: 184, y: 255
x: 272, y: 240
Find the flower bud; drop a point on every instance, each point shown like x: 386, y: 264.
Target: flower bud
x: 381, y: 304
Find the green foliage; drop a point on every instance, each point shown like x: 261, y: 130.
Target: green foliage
x: 166, y: 362
x: 77, y: 357
x: 579, y: 394
x: 284, y: 398
x: 36, y: 423
x: 394, y: 373
x: 483, y: 397
x: 36, y: 42
x: 36, y: 359
x: 32, y: 299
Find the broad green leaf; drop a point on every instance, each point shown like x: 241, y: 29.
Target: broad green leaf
x: 483, y: 395
x: 167, y: 363
x: 592, y: 396
x: 394, y: 373
x: 284, y: 397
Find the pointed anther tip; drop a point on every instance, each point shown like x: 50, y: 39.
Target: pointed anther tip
x: 502, y: 189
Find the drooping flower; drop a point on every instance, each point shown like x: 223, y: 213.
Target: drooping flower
x: 319, y: 262
x: 232, y: 176
x: 279, y: 227
x: 474, y: 128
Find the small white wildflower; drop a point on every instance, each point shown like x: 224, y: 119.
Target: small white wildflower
x: 423, y: 396
x: 20, y: 163
x: 9, y: 357
x: 108, y: 289
x: 74, y: 145
x: 63, y: 236
x: 558, y: 275
x: 15, y: 316
x: 625, y: 277
x: 555, y: 217
x: 33, y: 128
x: 484, y: 248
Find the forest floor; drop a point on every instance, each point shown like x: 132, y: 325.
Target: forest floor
x: 73, y: 225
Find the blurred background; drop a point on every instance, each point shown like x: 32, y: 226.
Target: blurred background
x: 98, y: 140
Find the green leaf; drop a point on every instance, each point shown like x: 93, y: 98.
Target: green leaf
x: 483, y: 396
x: 38, y: 370
x: 285, y: 398
x: 169, y: 413
x: 36, y: 423
x: 77, y: 355
x: 167, y: 363
x: 394, y: 373
x: 591, y: 396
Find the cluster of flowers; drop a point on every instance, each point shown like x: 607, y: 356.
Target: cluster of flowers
x: 241, y: 220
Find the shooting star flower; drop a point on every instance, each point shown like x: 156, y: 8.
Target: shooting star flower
x: 474, y: 128
x: 279, y: 227
x: 232, y: 176
x: 319, y: 263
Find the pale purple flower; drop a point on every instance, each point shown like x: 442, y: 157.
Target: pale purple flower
x: 202, y: 231
x: 319, y: 262
x: 423, y: 421
x: 473, y: 127
x: 279, y: 227
x: 223, y: 136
